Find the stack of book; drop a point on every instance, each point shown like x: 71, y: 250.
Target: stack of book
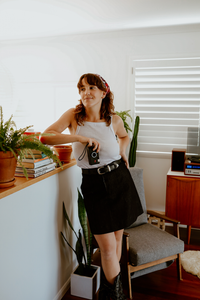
x: 35, y: 167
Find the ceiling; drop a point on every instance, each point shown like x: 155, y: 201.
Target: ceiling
x: 21, y: 19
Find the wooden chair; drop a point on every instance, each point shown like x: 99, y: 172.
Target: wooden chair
x: 147, y: 248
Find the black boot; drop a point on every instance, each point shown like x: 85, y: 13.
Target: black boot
x: 116, y: 290
x: 103, y: 290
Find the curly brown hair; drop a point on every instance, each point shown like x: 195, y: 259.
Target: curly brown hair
x: 107, y: 107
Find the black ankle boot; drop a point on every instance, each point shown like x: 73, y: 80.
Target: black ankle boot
x: 103, y: 290
x: 116, y: 290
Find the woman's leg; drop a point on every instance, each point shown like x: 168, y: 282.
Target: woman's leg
x: 109, y: 260
x: 110, y: 245
x: 118, y: 236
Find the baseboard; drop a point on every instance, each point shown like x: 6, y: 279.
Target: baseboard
x: 63, y: 290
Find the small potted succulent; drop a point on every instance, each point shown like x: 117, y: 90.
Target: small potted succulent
x: 14, y: 146
x: 85, y: 279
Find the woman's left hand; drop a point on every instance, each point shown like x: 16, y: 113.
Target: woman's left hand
x: 125, y: 159
x: 123, y: 137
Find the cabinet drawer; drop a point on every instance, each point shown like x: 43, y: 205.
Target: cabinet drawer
x: 183, y: 200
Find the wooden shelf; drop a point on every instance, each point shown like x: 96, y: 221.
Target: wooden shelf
x: 22, y: 182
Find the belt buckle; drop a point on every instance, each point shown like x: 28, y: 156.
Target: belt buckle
x: 99, y: 172
x: 116, y: 164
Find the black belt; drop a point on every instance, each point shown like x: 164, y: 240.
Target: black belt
x: 104, y: 169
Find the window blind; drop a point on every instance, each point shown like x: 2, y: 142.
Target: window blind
x: 167, y: 100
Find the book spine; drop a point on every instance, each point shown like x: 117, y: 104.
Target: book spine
x: 43, y: 172
x: 42, y: 163
x: 36, y: 156
x: 37, y: 170
x: 36, y: 174
x: 31, y: 160
x: 37, y: 164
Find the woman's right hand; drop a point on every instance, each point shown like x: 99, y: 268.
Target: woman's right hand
x: 90, y: 142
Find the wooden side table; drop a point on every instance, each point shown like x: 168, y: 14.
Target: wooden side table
x: 183, y: 199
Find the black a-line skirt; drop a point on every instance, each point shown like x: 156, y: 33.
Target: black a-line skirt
x: 111, y: 200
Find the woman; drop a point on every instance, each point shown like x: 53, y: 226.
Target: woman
x: 111, y: 199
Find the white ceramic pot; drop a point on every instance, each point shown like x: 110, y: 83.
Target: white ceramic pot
x: 85, y: 287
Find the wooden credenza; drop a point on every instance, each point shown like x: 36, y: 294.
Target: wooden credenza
x: 183, y: 199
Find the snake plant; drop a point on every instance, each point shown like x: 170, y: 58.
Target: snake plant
x: 83, y: 268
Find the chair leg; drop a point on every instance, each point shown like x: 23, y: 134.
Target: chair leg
x: 129, y: 284
x: 188, y: 233
x: 178, y: 265
x: 126, y: 277
x: 126, y: 280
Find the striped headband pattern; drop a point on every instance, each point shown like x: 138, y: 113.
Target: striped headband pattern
x: 104, y: 83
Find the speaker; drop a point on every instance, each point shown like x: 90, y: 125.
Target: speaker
x: 178, y: 159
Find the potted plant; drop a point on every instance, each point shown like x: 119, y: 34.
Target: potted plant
x: 133, y: 146
x: 85, y: 279
x: 14, y: 145
x: 124, y: 114
x: 64, y: 152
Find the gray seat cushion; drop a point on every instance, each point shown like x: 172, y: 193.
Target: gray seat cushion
x: 148, y: 243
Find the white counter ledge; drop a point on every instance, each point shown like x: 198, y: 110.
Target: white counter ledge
x: 35, y: 263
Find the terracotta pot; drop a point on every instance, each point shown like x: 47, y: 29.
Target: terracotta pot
x: 31, y: 132
x: 7, y: 167
x: 64, y: 152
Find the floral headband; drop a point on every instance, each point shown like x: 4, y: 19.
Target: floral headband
x: 104, y: 83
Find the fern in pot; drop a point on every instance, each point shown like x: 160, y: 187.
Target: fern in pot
x: 14, y: 146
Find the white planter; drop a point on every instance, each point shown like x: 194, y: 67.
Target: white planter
x: 85, y: 287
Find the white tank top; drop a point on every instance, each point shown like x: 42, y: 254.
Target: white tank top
x: 105, y: 135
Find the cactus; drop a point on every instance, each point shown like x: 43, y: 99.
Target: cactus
x: 133, y: 146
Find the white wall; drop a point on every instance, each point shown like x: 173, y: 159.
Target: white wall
x: 43, y: 66
x: 29, y: 222
x: 35, y: 264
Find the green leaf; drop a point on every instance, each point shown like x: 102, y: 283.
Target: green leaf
x: 133, y: 146
x: 83, y: 221
x: 123, y: 115
x: 79, y: 248
x: 68, y: 219
x: 15, y: 139
x: 90, y: 251
x: 64, y: 238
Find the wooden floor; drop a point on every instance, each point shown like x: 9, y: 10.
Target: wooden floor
x: 164, y: 284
